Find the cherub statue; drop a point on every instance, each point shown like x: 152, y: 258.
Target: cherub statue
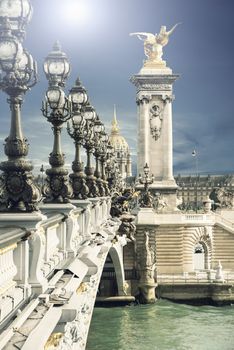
x: 154, y: 43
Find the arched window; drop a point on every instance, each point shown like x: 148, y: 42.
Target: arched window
x: 199, y: 257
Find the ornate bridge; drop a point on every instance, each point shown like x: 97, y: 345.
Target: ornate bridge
x: 55, y: 233
x: 51, y: 265
x: 61, y: 234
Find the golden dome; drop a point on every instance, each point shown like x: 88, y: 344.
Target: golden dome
x: 117, y: 141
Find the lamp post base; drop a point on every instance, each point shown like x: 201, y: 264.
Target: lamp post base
x: 18, y: 191
x: 80, y: 189
x: 57, y: 188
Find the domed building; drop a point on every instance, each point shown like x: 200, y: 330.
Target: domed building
x: 121, y: 149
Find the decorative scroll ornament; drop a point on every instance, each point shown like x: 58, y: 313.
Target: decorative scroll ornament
x: 156, y: 118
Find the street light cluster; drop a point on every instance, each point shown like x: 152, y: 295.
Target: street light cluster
x: 18, y: 73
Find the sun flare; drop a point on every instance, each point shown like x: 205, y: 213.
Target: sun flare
x: 75, y: 11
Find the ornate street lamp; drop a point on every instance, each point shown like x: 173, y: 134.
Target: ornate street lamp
x: 42, y: 170
x: 19, y: 13
x: 146, y: 199
x: 75, y: 128
x: 110, y: 166
x: 98, y: 129
x: 90, y: 116
x: 18, y: 75
x: 104, y: 142
x: 56, y: 108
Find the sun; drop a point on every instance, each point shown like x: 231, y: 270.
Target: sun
x: 75, y: 11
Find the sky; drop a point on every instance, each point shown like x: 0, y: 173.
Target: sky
x: 95, y: 36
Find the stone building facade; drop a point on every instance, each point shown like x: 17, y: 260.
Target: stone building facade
x: 194, y: 190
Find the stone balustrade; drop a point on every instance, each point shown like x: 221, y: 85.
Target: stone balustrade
x: 37, y: 248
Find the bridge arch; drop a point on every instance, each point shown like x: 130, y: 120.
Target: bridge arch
x: 112, y: 279
x: 116, y: 254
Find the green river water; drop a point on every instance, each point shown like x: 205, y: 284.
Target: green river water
x: 162, y: 326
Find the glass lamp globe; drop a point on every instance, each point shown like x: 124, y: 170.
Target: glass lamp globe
x: 98, y: 125
x: 89, y: 113
x: 78, y: 94
x: 26, y: 65
x: 56, y: 98
x: 56, y: 65
x: 104, y: 137
x: 77, y: 121
x: 19, y: 13
x: 11, y: 50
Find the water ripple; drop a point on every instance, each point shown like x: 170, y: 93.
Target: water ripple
x: 162, y: 326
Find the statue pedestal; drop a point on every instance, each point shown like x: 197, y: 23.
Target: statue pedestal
x: 146, y: 216
x: 155, y: 67
x: 147, y: 292
x: 154, y: 99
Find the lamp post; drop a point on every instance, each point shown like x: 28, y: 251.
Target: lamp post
x: 42, y: 170
x: 18, y: 75
x: 146, y: 180
x: 75, y: 128
x: 194, y: 154
x: 90, y: 116
x: 146, y: 197
x: 110, y: 165
x: 104, y: 142
x: 98, y: 129
x: 56, y: 108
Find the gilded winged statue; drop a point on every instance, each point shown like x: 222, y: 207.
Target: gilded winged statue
x: 154, y: 43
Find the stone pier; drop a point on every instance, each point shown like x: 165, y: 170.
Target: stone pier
x: 155, y: 145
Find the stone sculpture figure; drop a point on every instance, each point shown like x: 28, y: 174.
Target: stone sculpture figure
x: 147, y: 259
x: 146, y: 199
x: 222, y: 198
x: 154, y: 43
x: 127, y: 226
x: 147, y: 264
x: 160, y: 203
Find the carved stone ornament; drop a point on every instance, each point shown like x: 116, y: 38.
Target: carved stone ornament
x: 157, y: 87
x: 80, y: 189
x: 156, y: 118
x: 16, y: 147
x: 159, y: 202
x: 222, y: 198
x: 18, y: 191
x: 57, y: 188
x: 143, y: 99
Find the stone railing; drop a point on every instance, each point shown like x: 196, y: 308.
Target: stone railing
x: 195, y: 217
x: 197, y: 277
x: 178, y: 218
x: 36, y: 249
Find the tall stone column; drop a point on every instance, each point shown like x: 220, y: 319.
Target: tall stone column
x: 143, y: 132
x: 168, y: 154
x: 155, y: 145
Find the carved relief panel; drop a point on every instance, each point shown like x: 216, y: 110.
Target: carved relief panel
x: 155, y: 120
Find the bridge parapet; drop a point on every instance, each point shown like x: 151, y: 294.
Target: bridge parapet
x: 36, y: 250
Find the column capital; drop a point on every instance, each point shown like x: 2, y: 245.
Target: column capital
x: 168, y: 98
x: 143, y: 99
